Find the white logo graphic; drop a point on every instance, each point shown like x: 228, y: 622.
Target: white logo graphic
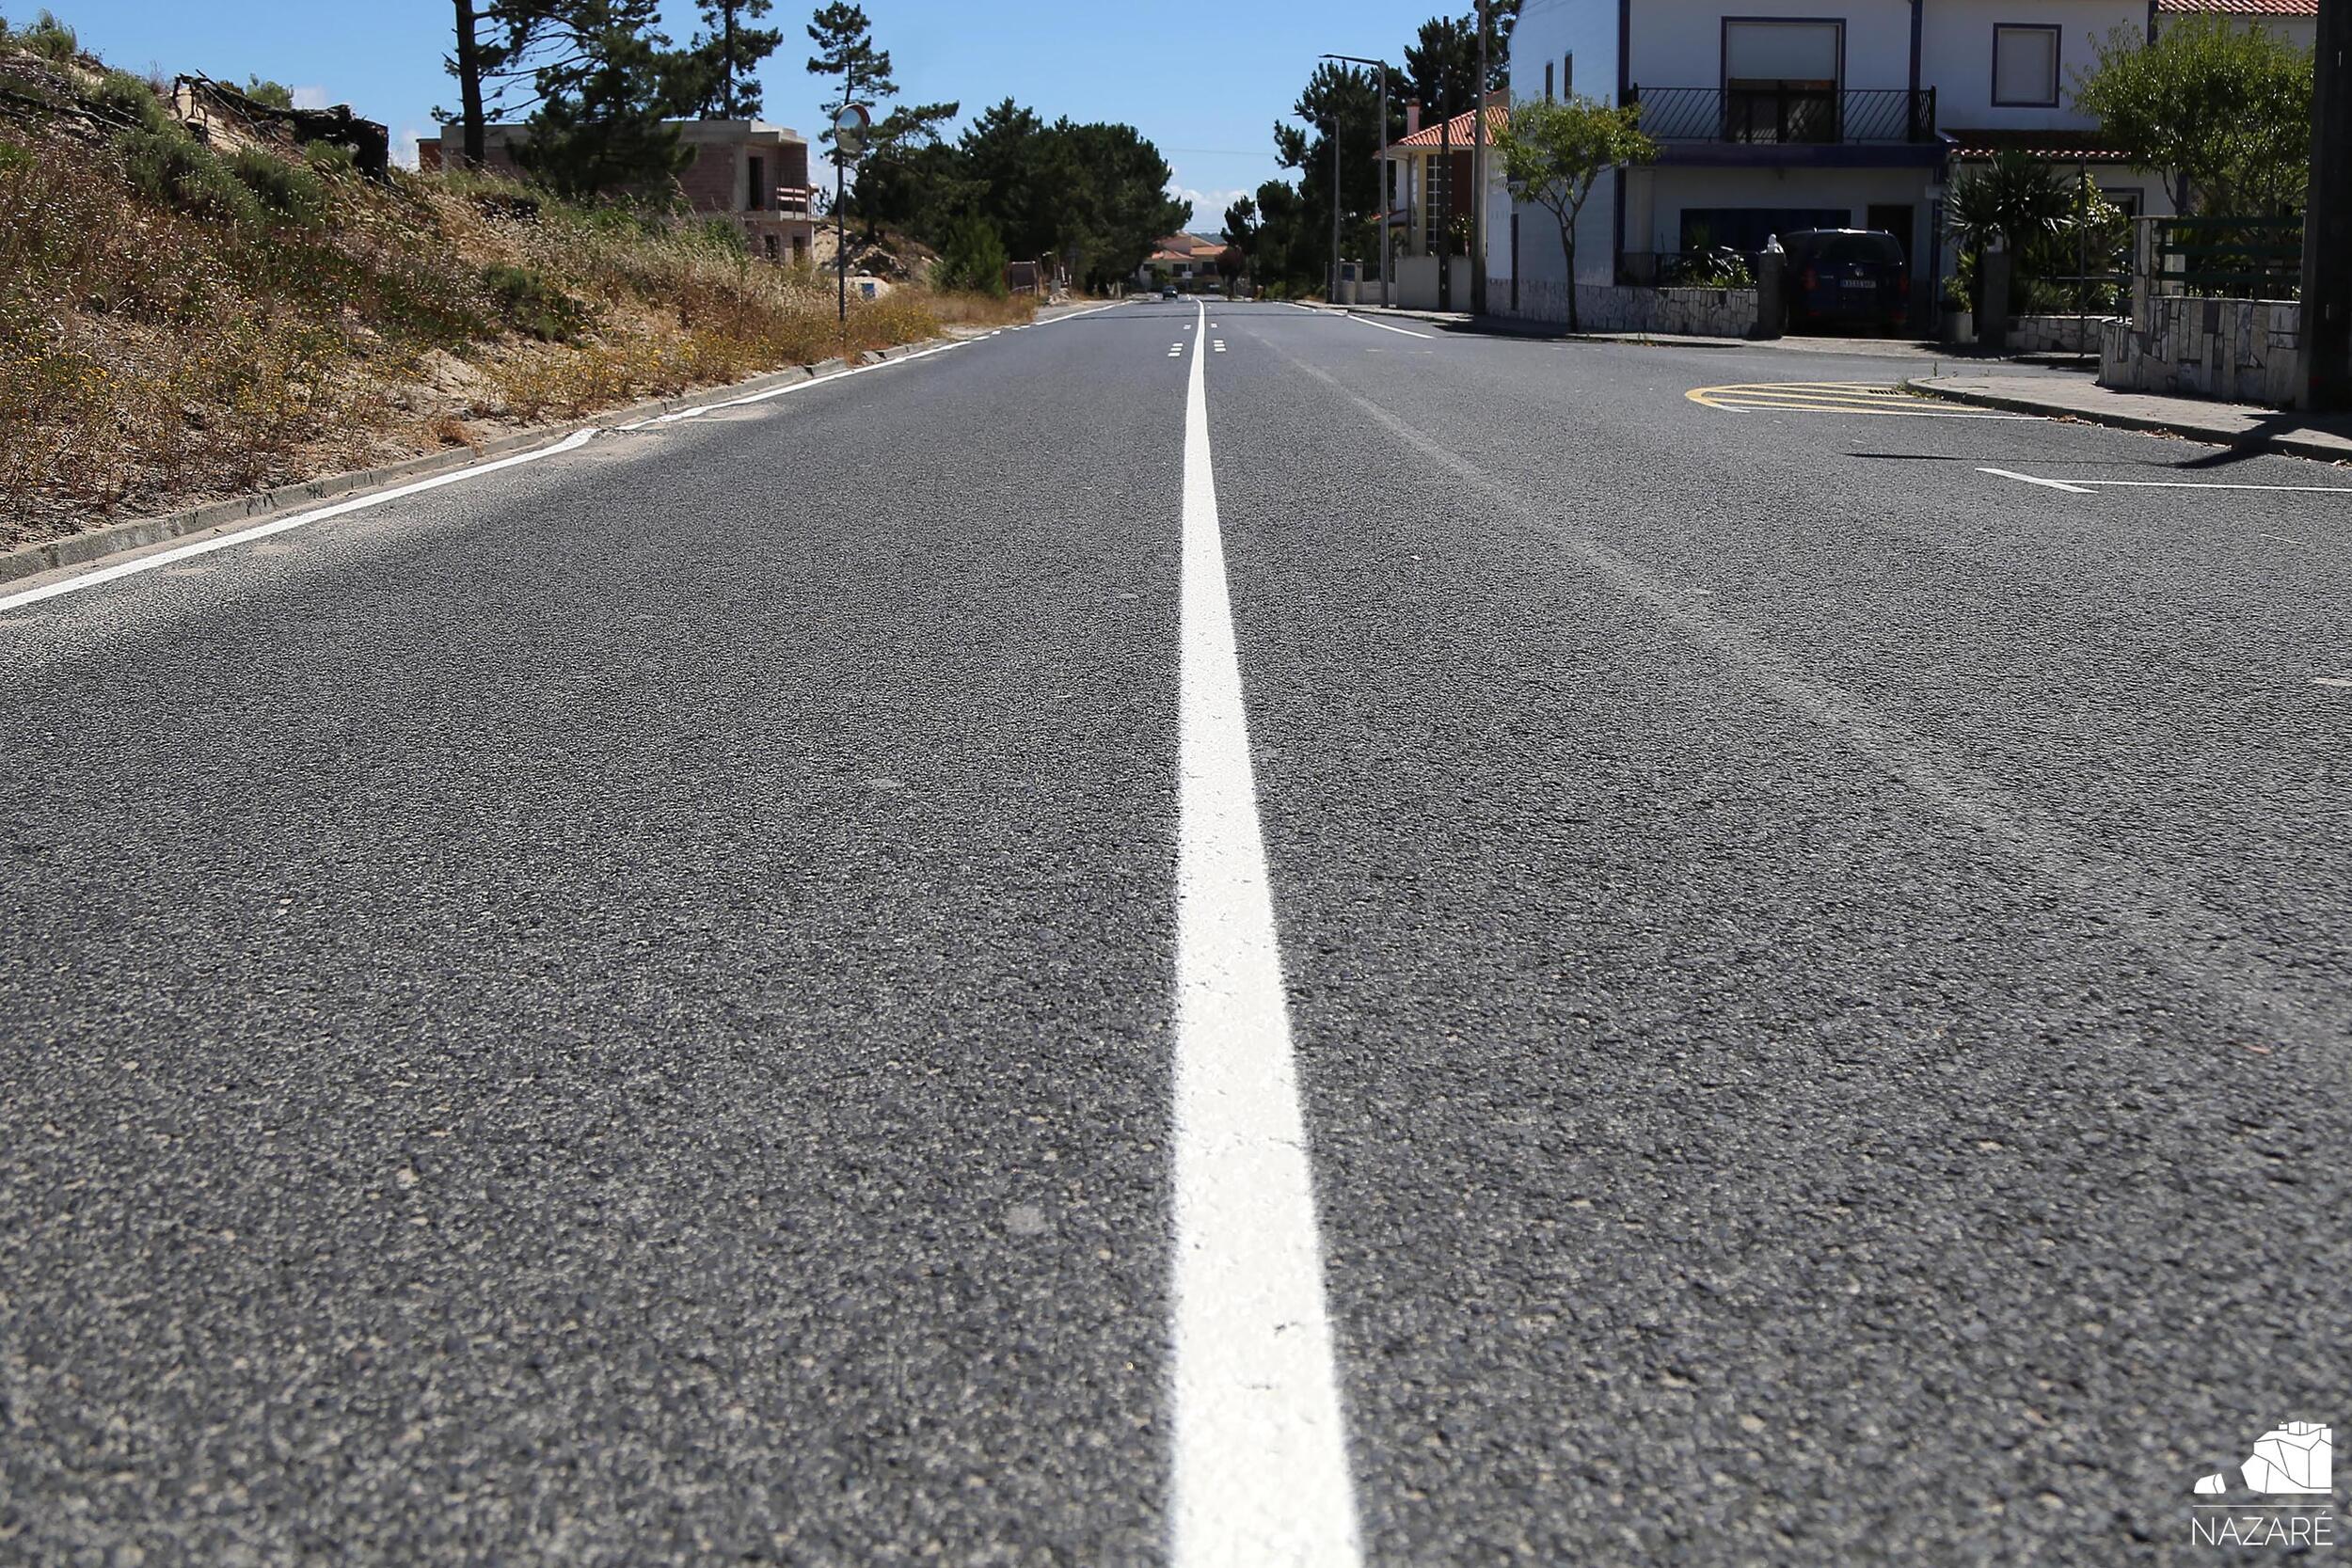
x: 2291, y: 1459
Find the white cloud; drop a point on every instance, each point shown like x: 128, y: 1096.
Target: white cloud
x: 404, y: 147
x: 1208, y: 207
x: 309, y: 98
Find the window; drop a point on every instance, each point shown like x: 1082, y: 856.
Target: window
x: 1781, y: 80
x: 757, y: 196
x: 1567, y: 76
x: 1547, y: 80
x: 2025, y: 66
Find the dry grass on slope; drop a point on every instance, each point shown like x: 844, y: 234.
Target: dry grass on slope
x: 175, y: 325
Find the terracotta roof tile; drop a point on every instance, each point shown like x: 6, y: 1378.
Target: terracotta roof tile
x: 2243, y: 7
x: 1457, y: 129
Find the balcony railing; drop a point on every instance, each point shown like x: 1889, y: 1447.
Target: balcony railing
x: 794, y: 201
x: 1787, y: 115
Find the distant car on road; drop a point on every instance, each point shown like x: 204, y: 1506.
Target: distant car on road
x: 1168, y: 292
x: 1846, y: 276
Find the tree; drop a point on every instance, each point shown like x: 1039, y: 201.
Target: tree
x: 1551, y: 153
x: 599, y: 129
x: 493, y: 37
x: 275, y: 94
x: 2014, y: 200
x: 1441, y: 64
x: 1241, y: 227
x: 2223, y: 108
x: 973, y: 259
x: 900, y: 142
x: 845, y: 48
x: 728, y: 56
x: 1345, y: 101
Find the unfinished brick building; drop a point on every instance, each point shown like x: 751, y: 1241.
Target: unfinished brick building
x: 745, y: 170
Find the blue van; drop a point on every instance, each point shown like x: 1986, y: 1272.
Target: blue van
x: 1847, y: 277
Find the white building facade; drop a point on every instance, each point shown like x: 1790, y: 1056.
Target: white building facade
x: 1772, y: 116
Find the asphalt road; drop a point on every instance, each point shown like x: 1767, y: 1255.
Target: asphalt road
x: 624, y: 1010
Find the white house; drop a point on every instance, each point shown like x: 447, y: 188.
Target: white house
x: 1777, y: 114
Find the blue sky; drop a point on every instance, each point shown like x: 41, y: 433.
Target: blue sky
x: 1207, y: 92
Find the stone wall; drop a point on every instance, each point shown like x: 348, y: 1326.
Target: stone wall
x: 2055, y: 334
x: 1617, y: 307
x: 2235, y: 349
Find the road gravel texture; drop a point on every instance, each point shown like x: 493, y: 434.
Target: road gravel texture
x: 619, y: 1012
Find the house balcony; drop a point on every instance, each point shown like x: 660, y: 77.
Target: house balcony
x: 1791, y: 125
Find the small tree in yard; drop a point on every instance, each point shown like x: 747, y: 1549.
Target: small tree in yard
x: 973, y: 260
x: 1552, y: 152
x: 2223, y: 108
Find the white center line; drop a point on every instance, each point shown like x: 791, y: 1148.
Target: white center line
x: 2028, y: 478
x: 1260, y: 1454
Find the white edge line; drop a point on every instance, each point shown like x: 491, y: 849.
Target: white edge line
x: 569, y: 443
x: 287, y: 525
x: 2046, y: 484
x: 1260, y: 1457
x: 1075, y: 314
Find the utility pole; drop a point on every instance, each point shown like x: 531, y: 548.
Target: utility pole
x: 1478, y: 177
x: 1331, y: 294
x: 1380, y: 161
x: 2327, y: 308
x: 840, y: 210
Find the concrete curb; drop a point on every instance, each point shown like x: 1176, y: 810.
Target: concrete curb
x: 2239, y: 440
x: 49, y: 555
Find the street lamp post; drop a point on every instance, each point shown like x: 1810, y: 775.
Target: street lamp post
x: 1478, y: 178
x: 1380, y: 158
x: 2327, y: 308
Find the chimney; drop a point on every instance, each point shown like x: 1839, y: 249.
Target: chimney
x: 1412, y: 116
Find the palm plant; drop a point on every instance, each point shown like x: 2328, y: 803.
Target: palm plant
x: 2014, y: 200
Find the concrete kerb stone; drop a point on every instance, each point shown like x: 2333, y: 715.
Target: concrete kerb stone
x: 2289, y: 446
x: 227, y: 516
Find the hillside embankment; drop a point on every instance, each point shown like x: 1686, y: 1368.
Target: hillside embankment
x: 181, y: 321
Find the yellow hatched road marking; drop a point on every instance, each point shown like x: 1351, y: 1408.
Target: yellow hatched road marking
x: 1831, y: 397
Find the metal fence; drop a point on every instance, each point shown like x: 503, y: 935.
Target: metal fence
x: 1787, y: 115
x: 2234, y: 258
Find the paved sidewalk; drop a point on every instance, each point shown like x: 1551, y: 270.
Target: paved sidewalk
x: 1873, y: 348
x: 2228, y: 424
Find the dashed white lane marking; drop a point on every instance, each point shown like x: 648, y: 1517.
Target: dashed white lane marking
x: 2028, y: 478
x: 286, y: 525
x: 1260, y: 1454
x: 2091, y: 487
x: 2323, y: 680
x: 1220, y: 345
x: 1386, y: 328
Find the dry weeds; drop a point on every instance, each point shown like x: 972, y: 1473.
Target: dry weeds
x: 155, y: 353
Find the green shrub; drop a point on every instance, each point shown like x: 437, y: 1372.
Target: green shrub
x: 722, y: 236
x: 169, y: 166
x: 290, y: 190
x: 329, y: 159
x: 275, y: 94
x: 531, y: 303
x: 973, y: 259
x: 127, y: 97
x: 50, y: 37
